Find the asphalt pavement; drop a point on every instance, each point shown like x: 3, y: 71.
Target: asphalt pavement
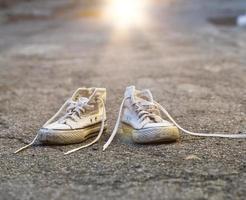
x: 187, y: 54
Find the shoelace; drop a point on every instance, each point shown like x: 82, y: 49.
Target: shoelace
x: 99, y: 134
x: 35, y: 140
x: 146, y: 113
x: 76, y: 108
x: 72, y: 108
x: 232, y: 136
x: 116, y: 125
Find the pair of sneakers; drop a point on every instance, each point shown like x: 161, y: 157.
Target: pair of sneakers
x: 84, y: 116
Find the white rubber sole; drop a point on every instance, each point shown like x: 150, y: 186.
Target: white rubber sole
x: 149, y: 135
x: 49, y: 136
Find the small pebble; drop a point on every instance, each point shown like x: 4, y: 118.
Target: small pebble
x: 192, y: 157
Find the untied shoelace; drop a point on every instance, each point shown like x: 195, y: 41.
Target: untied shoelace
x: 164, y: 111
x: 73, y: 108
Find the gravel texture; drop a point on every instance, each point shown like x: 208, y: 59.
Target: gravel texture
x: 197, y: 70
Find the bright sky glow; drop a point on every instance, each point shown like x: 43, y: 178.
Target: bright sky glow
x: 125, y: 14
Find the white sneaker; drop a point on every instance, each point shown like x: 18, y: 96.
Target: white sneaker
x: 141, y: 119
x: 81, y: 117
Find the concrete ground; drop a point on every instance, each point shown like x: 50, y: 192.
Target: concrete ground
x: 196, y: 69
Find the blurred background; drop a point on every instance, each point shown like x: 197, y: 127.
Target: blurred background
x: 190, y: 53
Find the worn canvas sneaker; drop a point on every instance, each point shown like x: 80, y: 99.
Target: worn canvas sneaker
x: 81, y: 117
x: 141, y: 120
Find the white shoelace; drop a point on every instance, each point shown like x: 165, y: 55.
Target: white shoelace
x: 76, y: 109
x: 232, y: 136
x: 35, y: 140
x: 72, y: 108
x: 98, y: 136
x: 116, y: 126
x: 146, y: 113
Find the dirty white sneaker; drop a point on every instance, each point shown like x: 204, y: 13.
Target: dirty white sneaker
x: 81, y: 117
x: 141, y: 119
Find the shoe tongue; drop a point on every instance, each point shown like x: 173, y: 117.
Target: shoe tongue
x: 144, y: 97
x: 80, y: 93
x: 84, y: 94
x: 83, y: 99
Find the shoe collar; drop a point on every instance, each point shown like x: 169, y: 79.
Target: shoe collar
x: 89, y: 93
x: 143, y: 96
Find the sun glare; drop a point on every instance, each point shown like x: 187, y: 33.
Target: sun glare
x: 125, y: 14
